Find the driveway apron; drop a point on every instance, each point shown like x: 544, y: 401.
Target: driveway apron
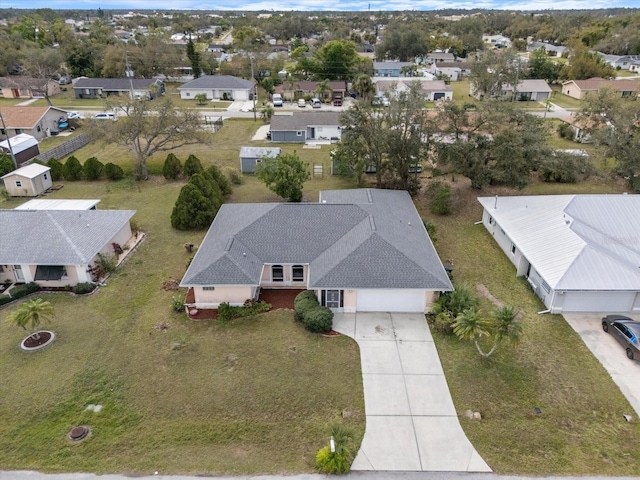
x: 412, y: 423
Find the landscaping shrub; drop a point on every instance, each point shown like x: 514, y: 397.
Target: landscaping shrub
x: 430, y: 227
x: 172, y: 168
x: 235, y: 177
x: 220, y: 179
x: 192, y: 166
x: 107, y: 263
x: 192, y: 209
x: 332, y: 462
x: 72, y: 170
x: 83, y: 288
x: 92, y: 169
x: 565, y: 168
x: 442, y: 202
x: 303, y: 306
x: 251, y: 307
x: 462, y: 298
x: 318, y: 319
x: 565, y: 131
x: 4, y: 299
x: 24, y: 290
x: 6, y: 164
x: 56, y: 169
x: 113, y: 172
x: 177, y: 304
x: 209, y: 188
x: 307, y: 294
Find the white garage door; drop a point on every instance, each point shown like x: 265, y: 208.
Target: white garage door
x: 401, y: 300
x: 598, y: 301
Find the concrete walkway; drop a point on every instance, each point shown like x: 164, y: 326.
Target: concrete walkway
x: 412, y: 423
x: 624, y: 372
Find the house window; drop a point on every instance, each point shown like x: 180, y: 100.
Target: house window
x: 18, y: 183
x: 38, y: 128
x: 187, y: 94
x: 299, y: 133
x: 546, y: 286
x: 18, y: 131
x: 513, y: 248
x: 208, y: 289
x: 297, y: 273
x: 1, y: 269
x: 2, y: 131
x: 277, y: 273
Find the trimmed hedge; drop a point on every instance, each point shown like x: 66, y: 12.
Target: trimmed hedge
x: 83, y: 288
x: 307, y: 294
x: 251, y: 307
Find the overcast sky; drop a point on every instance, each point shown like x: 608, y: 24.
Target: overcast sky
x: 318, y: 5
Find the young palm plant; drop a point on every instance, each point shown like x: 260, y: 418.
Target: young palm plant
x: 503, y: 325
x: 31, y: 314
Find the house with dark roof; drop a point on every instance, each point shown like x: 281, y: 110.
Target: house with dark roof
x: 218, y: 87
x: 579, y: 88
x: 301, y: 127
x: 19, y: 86
x: 304, y: 88
x: 74, y: 238
x: 148, y: 88
x: 38, y: 122
x: 579, y: 253
x: 362, y: 250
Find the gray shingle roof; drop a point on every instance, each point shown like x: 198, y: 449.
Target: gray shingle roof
x: 218, y: 81
x: 300, y: 121
x: 352, y: 239
x: 115, y: 84
x: 57, y: 237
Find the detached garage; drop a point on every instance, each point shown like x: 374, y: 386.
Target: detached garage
x: 579, y: 253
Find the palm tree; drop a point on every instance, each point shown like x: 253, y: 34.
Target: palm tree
x: 266, y: 113
x: 502, y: 326
x: 322, y: 87
x: 364, y: 86
x: 505, y: 325
x: 469, y: 326
x: 31, y: 314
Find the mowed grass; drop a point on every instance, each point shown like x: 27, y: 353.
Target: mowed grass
x: 581, y: 430
x: 255, y: 396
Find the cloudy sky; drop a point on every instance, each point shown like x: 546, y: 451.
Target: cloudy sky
x: 318, y: 5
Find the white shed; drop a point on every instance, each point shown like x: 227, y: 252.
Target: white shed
x: 29, y: 181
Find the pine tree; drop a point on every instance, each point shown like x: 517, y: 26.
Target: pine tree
x: 92, y: 169
x: 192, y: 166
x: 172, y: 168
x: 221, y: 179
x: 72, y: 169
x: 193, y: 210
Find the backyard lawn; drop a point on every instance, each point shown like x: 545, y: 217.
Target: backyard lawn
x: 258, y: 395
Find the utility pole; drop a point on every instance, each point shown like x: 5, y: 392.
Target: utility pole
x: 4, y: 127
x: 255, y: 90
x: 128, y: 72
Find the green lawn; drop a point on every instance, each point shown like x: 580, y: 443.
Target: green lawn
x: 10, y: 102
x: 461, y: 93
x: 562, y: 100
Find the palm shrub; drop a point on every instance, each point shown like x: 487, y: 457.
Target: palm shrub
x: 92, y: 169
x: 113, y: 172
x: 339, y: 461
x: 502, y: 326
x: 172, y: 168
x: 31, y: 314
x: 192, y: 166
x: 72, y: 169
x: 318, y: 319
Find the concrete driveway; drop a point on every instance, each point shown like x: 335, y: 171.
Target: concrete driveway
x: 624, y: 372
x: 412, y: 423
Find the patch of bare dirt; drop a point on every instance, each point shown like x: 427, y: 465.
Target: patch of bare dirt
x: 170, y: 285
x: 484, y: 292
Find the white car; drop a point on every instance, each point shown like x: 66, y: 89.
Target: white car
x: 105, y: 116
x: 302, y: 103
x: 73, y: 115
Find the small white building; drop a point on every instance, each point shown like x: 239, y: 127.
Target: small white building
x: 29, y: 181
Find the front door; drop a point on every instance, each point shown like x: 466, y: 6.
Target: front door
x: 333, y: 299
x: 17, y: 271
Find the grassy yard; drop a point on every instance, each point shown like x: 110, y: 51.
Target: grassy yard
x: 581, y: 430
x: 254, y: 396
x: 461, y: 93
x: 564, y: 101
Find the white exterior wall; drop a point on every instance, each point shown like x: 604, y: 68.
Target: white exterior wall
x: 215, y: 93
x: 349, y: 301
x: 590, y: 301
x: 326, y: 131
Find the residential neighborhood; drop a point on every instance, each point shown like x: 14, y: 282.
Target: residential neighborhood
x: 263, y: 242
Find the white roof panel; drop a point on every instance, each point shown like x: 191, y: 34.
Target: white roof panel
x: 58, y: 204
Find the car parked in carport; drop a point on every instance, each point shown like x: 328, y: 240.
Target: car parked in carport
x: 626, y: 331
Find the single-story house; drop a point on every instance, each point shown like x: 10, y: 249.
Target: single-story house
x: 527, y: 90
x: 432, y: 89
x: 304, y: 126
x: 251, y: 156
x: 218, y: 87
x: 216, y: 47
x: 391, y: 69
x: 38, y: 122
x: 453, y: 70
x: 24, y: 147
x: 579, y: 253
x: 579, y: 88
x: 59, y: 204
x: 28, y: 181
x: 309, y: 88
x: 634, y: 66
x: 550, y: 49
x: 104, y: 87
x: 438, y: 57
x: 64, y: 247
x: 362, y: 250
x: 498, y: 41
x: 619, y: 62
x: 18, y: 86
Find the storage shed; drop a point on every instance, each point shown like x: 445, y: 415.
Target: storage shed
x: 24, y: 147
x: 29, y: 181
x: 251, y: 156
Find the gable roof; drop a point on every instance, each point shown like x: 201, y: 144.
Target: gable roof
x: 29, y: 171
x: 73, y: 237
x: 390, y: 65
x: 575, y: 242
x: 259, y: 152
x: 356, y: 239
x: 25, y: 117
x: 218, y: 81
x: 116, y: 84
x: 530, y: 85
x: 301, y: 120
x: 596, y: 83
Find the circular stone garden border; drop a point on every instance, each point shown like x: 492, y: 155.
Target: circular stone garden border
x: 30, y: 344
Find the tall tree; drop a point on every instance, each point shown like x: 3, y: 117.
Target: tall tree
x: 540, y: 66
x: 284, y: 175
x: 43, y: 64
x: 194, y: 58
x: 364, y: 86
x: 492, y: 71
x: 150, y: 126
x: 584, y: 64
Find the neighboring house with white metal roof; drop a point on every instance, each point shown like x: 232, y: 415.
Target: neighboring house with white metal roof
x: 431, y: 89
x: 62, y: 245
x: 251, y: 156
x: 359, y: 250
x: 218, y: 87
x: 58, y: 204
x: 534, y: 90
x: 580, y: 253
x: 29, y: 181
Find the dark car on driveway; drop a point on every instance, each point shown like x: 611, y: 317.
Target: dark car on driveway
x: 626, y: 331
